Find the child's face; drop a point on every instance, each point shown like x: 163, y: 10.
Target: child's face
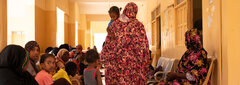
x: 113, y: 16
x: 49, y: 64
x: 34, y: 54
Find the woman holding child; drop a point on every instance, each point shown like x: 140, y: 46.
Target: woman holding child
x: 126, y: 56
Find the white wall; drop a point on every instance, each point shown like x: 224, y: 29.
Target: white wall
x: 21, y: 17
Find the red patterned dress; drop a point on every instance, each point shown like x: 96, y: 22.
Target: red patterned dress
x: 126, y: 55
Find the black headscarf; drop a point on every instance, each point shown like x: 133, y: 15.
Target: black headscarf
x: 66, y: 46
x: 55, y: 50
x: 13, y: 59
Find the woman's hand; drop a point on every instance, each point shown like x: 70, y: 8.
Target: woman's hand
x: 171, y: 76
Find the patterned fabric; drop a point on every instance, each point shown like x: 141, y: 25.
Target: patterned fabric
x: 131, y: 10
x: 30, y: 45
x: 60, y: 64
x: 193, y: 62
x: 26, y: 59
x: 126, y: 56
x: 60, y: 54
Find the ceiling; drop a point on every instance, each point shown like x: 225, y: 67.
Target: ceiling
x: 102, y: 6
x: 97, y: 10
x: 106, y: 0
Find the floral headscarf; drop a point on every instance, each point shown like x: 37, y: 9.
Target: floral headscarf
x: 30, y: 45
x: 60, y: 54
x: 130, y: 10
x: 193, y: 40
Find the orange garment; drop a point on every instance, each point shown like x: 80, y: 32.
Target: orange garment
x: 44, y: 78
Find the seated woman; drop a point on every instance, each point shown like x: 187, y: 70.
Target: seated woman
x: 14, y: 60
x: 62, y: 58
x: 192, y: 68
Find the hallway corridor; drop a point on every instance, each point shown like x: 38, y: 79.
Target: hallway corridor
x: 52, y: 23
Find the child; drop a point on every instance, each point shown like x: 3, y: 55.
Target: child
x: 71, y: 69
x: 91, y: 73
x: 114, y: 13
x: 47, y: 63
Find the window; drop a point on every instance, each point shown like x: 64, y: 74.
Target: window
x: 179, y: 1
x: 20, y: 21
x: 158, y: 10
x: 181, y: 16
x: 153, y: 15
x: 183, y: 20
x: 18, y: 37
x: 156, y: 27
x: 154, y: 34
x: 60, y: 27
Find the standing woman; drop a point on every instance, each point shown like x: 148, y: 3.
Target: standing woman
x: 126, y: 56
x: 13, y: 64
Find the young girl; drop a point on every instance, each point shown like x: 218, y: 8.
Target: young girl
x: 91, y: 73
x: 44, y: 77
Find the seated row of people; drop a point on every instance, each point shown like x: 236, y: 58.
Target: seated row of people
x: 19, y: 66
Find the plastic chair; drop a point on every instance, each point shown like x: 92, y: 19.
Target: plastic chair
x: 167, y: 67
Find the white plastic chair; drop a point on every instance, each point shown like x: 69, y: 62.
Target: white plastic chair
x: 167, y: 67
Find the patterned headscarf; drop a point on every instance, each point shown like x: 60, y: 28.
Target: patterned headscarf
x: 60, y: 54
x: 130, y: 10
x: 26, y: 59
x: 30, y: 45
x: 193, y: 39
